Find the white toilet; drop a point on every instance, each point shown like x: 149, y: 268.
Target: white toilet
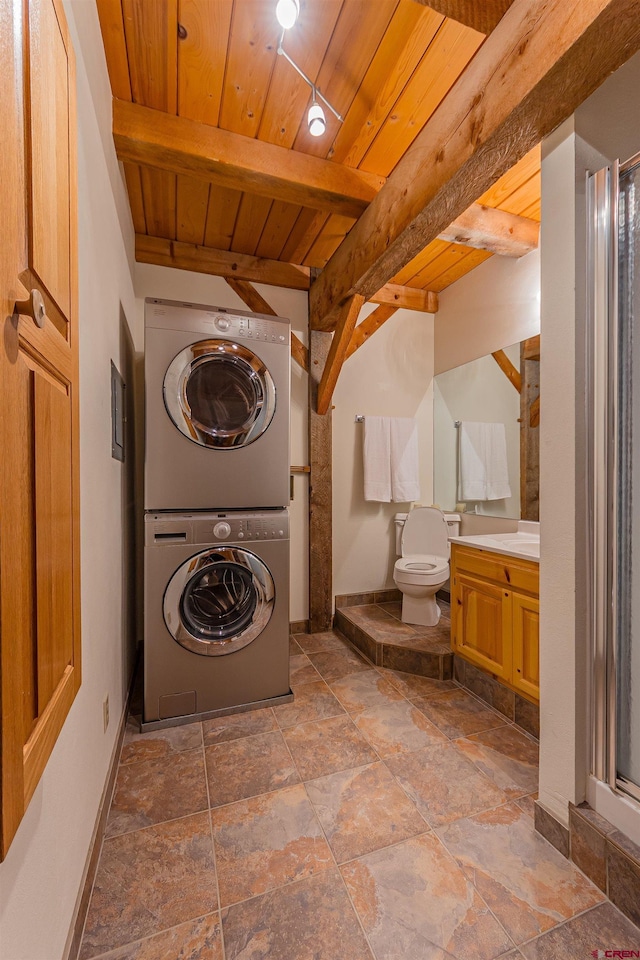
x: 422, y: 542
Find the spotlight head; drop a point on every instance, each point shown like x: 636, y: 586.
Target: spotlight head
x: 316, y: 120
x: 287, y: 12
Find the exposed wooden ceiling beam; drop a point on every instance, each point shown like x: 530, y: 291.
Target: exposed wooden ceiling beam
x: 482, y: 15
x: 222, y: 263
x: 410, y: 298
x: 486, y: 228
x: 338, y: 351
x: 510, y: 372
x: 544, y: 58
x: 182, y: 146
x: 256, y: 302
x: 367, y: 327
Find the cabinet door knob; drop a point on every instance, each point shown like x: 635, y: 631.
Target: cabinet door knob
x: 32, y: 307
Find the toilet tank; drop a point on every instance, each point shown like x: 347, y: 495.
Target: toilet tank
x: 453, y: 524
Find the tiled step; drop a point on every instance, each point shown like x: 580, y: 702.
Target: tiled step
x: 377, y: 630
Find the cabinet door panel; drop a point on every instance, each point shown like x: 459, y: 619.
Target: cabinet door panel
x: 54, y: 534
x: 49, y: 160
x: 482, y: 614
x: 526, y: 666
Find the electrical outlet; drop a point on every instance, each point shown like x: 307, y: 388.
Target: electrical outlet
x: 105, y: 712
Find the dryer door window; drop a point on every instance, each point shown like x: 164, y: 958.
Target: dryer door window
x: 219, y: 394
x: 219, y: 601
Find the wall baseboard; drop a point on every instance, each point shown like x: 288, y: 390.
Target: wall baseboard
x: 76, y: 929
x: 299, y: 626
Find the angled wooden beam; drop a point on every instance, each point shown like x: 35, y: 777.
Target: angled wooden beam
x: 252, y: 298
x: 220, y: 263
x: 482, y: 15
x: 510, y: 372
x: 256, y: 302
x: 411, y: 298
x: 338, y: 351
x: 368, y: 327
x: 182, y: 146
x: 497, y: 231
x: 541, y: 62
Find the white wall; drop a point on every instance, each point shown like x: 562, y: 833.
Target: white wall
x: 604, y: 128
x: 42, y: 873
x: 476, y: 391
x: 152, y: 281
x: 495, y: 305
x: 390, y: 375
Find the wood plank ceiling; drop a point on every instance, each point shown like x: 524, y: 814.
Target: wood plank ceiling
x: 384, y: 64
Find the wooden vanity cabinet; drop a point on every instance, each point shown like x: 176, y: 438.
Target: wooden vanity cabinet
x: 494, y: 616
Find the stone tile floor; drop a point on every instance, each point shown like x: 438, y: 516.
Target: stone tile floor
x: 379, y: 816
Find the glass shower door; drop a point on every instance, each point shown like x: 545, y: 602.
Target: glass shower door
x: 627, y: 627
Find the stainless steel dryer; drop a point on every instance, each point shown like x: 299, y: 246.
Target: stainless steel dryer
x: 217, y: 408
x: 216, y: 613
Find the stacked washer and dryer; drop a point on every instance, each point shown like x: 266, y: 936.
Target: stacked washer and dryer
x: 216, y: 526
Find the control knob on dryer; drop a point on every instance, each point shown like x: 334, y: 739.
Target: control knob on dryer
x: 222, y: 530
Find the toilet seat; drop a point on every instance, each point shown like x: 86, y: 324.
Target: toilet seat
x: 421, y: 569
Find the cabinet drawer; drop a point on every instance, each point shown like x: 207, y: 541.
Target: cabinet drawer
x: 497, y: 567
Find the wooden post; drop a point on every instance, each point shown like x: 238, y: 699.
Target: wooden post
x: 529, y: 436
x: 320, y: 493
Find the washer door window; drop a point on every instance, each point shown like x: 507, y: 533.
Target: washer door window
x: 219, y: 394
x: 219, y: 601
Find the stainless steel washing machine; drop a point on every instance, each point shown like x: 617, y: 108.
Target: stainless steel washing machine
x: 217, y: 388
x: 216, y: 633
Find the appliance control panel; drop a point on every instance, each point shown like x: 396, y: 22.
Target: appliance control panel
x: 217, y: 322
x: 223, y: 527
x: 251, y: 527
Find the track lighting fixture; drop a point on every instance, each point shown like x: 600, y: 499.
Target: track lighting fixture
x: 316, y: 118
x: 287, y: 13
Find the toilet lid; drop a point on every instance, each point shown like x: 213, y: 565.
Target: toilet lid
x: 425, y: 531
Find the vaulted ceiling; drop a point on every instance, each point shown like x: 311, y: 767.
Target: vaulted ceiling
x: 211, y: 126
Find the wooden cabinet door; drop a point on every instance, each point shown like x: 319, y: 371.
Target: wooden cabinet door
x: 39, y: 495
x: 526, y: 664
x: 481, y: 621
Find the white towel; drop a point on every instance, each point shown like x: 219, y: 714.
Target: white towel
x: 405, y: 483
x: 377, y: 459
x: 484, y: 474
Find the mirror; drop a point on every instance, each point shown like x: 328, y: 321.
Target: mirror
x: 501, y: 388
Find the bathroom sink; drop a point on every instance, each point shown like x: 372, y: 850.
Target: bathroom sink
x: 519, y: 544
